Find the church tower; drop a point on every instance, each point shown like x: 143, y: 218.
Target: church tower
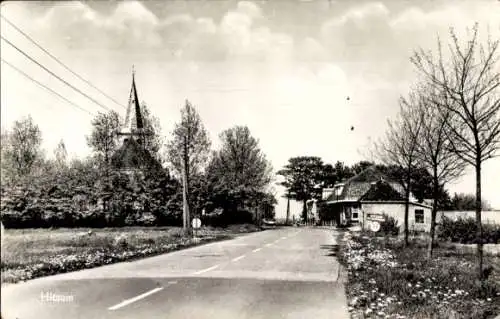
x: 133, y: 155
x: 133, y: 126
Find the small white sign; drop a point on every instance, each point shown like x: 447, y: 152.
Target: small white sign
x: 196, y: 223
x: 375, y: 226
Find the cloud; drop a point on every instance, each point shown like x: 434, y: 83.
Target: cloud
x: 250, y: 9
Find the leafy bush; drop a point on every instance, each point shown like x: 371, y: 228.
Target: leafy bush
x: 386, y: 279
x: 389, y: 226
x: 464, y: 231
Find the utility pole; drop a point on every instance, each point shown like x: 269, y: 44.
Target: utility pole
x: 185, y: 203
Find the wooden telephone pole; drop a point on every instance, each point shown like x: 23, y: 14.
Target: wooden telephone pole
x: 186, y: 218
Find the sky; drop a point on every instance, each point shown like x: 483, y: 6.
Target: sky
x: 284, y: 68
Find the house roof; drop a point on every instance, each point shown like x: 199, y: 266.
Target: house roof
x: 365, y: 184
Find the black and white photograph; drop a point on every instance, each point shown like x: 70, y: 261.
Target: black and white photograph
x: 226, y: 159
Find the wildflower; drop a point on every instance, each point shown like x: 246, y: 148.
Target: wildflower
x: 409, y: 284
x: 488, y: 299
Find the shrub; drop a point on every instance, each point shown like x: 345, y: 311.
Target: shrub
x: 121, y: 241
x: 389, y: 226
x: 464, y: 231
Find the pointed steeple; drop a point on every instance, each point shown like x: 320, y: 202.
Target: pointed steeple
x: 133, y: 119
x: 133, y: 154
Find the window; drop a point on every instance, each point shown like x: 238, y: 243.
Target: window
x: 419, y: 216
x: 355, y: 215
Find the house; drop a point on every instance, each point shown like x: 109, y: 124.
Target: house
x: 369, y: 196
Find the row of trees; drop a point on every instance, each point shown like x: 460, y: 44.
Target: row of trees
x: 233, y: 180
x: 448, y: 121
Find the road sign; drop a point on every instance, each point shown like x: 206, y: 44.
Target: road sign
x: 196, y: 223
x: 375, y: 226
x: 375, y: 217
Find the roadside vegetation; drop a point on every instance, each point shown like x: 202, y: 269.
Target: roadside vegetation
x: 386, y: 279
x: 32, y: 253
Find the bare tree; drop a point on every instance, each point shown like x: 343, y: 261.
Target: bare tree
x: 434, y: 151
x: 188, y: 151
x: 399, y: 147
x: 468, y: 84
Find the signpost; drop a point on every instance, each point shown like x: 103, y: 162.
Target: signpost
x: 196, y: 223
x: 374, y: 221
x: 374, y: 226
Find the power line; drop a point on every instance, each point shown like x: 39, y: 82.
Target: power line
x: 54, y: 75
x: 59, y: 61
x: 47, y: 88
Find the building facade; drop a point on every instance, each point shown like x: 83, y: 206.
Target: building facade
x: 368, y: 197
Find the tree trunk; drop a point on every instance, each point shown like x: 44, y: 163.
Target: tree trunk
x: 407, y: 208
x: 478, y: 221
x: 304, y: 210
x: 287, y: 209
x: 435, y: 194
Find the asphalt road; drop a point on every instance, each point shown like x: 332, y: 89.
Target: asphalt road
x: 281, y: 273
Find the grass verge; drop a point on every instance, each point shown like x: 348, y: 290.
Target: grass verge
x: 387, y: 280
x: 32, y: 253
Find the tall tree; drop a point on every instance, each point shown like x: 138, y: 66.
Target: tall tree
x: 153, y: 139
x: 240, y: 169
x: 435, y: 153
x: 399, y: 148
x: 342, y: 171
x: 61, y: 154
x: 104, y: 139
x: 22, y: 149
x: 188, y: 151
x: 304, y: 177
x: 361, y: 166
x: 468, y: 83
x: 329, y: 176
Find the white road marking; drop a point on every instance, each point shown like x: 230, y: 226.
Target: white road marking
x: 205, y: 270
x: 239, y: 258
x: 172, y: 282
x: 131, y: 300
x: 256, y: 250
x: 270, y: 244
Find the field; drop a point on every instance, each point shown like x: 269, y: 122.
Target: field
x: 31, y: 253
x: 387, y: 280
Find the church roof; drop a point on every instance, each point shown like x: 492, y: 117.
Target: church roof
x: 132, y: 155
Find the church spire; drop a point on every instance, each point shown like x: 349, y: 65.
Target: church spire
x: 134, y: 122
